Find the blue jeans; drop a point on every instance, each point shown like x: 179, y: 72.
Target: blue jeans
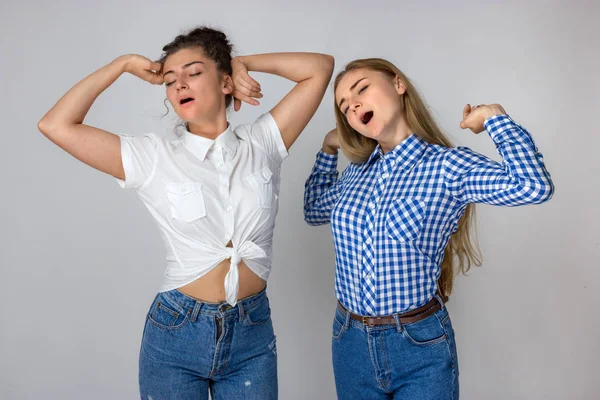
x: 191, y: 347
x: 414, y: 361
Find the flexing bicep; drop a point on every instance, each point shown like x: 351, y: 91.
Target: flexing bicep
x: 474, y: 178
x: 93, y: 146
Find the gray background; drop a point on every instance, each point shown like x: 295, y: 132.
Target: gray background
x: 81, y: 259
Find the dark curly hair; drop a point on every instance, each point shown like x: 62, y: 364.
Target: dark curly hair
x: 213, y: 43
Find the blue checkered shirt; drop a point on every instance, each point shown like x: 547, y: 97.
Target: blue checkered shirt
x: 392, y: 216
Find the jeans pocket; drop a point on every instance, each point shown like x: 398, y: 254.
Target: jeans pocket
x: 257, y: 314
x: 339, y: 325
x: 166, y: 315
x: 447, y: 323
x: 426, y: 332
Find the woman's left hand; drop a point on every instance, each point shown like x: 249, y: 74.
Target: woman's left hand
x: 245, y: 88
x: 474, y: 117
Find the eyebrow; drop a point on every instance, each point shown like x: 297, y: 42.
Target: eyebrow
x: 185, y: 66
x: 351, y: 89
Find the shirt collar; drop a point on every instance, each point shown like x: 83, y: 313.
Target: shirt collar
x: 199, y: 145
x: 406, y: 154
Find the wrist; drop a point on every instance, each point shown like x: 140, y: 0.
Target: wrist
x: 494, y: 110
x: 121, y: 63
x: 239, y: 59
x: 329, y: 150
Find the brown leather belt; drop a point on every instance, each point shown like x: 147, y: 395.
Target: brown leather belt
x: 409, y: 317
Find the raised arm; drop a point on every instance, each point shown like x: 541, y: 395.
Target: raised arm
x: 63, y: 124
x: 310, y: 71
x: 322, y: 188
x: 521, y: 178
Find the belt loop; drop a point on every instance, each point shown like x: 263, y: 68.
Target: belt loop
x: 196, y: 311
x: 439, y: 299
x: 240, y: 311
x: 347, y: 319
x: 399, y: 327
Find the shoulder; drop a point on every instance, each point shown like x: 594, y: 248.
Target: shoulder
x: 264, y: 123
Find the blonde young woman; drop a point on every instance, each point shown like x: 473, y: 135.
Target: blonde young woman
x: 213, y: 193
x: 401, y: 215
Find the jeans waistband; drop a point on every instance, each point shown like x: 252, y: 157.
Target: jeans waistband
x: 222, y: 309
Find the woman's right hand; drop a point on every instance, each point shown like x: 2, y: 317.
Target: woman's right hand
x: 331, y: 143
x: 141, y: 67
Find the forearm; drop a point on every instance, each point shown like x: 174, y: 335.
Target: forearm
x: 74, y: 105
x: 321, y: 190
x: 521, y: 178
x: 296, y: 67
x: 521, y: 160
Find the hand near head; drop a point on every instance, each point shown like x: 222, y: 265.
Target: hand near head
x: 331, y: 143
x: 474, y: 117
x: 142, y: 67
x: 245, y: 88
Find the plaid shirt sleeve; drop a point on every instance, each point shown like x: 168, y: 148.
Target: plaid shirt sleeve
x: 521, y: 178
x: 322, y: 189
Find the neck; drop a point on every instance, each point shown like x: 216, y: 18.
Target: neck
x: 210, y: 127
x: 396, y: 135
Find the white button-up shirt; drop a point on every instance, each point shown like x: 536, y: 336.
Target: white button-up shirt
x: 204, y: 193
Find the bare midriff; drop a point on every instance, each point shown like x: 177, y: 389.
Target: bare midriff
x: 211, y: 286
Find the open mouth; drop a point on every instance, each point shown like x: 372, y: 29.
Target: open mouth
x: 186, y: 100
x: 366, y: 118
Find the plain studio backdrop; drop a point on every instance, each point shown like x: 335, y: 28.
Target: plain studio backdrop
x: 81, y: 259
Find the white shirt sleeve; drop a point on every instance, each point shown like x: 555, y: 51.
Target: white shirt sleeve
x: 139, y: 157
x: 266, y: 132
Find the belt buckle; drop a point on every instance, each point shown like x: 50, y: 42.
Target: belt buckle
x: 365, y: 318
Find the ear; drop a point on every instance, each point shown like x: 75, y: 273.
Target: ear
x: 399, y: 85
x: 227, y: 84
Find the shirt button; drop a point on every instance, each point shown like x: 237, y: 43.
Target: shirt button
x: 219, y: 164
x: 368, y: 240
x: 371, y: 206
x: 229, y: 208
x: 224, y: 184
x: 385, y: 175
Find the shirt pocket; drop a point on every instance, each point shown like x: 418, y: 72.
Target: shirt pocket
x: 186, y: 200
x: 262, y: 183
x: 405, y: 219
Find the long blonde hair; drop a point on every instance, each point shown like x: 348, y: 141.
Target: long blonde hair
x: 462, y: 250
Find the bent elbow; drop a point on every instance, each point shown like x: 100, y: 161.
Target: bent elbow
x: 313, y: 219
x: 45, y: 126
x: 330, y: 60
x: 547, y: 191
x: 328, y: 64
x: 537, y: 192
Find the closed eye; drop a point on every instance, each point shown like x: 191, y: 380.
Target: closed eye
x: 170, y: 83
x: 360, y: 91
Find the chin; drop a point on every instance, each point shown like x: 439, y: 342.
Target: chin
x: 371, y: 133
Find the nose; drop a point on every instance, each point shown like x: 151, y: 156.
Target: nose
x: 181, y: 85
x: 355, y: 106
